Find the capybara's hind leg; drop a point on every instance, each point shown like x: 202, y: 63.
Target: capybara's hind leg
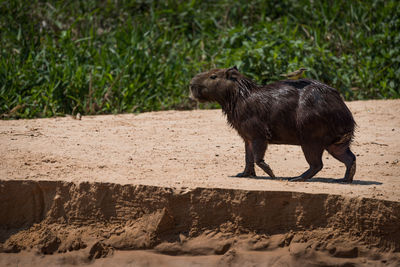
x: 249, y: 169
x: 343, y: 153
x: 259, y: 147
x: 313, y: 154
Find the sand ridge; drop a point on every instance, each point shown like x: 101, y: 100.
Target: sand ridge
x: 97, y: 220
x: 194, y: 149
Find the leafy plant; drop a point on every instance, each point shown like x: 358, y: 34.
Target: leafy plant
x: 92, y: 57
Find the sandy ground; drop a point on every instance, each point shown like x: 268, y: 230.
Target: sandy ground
x: 194, y: 149
x: 158, y: 189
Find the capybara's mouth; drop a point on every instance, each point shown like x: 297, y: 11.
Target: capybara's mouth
x: 195, y: 92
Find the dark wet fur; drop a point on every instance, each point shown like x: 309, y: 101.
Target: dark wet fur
x: 297, y: 112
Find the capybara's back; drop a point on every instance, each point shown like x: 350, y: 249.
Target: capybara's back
x: 297, y: 112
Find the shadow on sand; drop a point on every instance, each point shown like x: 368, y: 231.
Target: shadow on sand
x: 313, y: 180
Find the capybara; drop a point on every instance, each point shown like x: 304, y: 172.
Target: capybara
x: 300, y: 112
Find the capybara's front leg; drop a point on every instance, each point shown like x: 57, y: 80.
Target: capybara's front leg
x: 259, y: 147
x: 249, y: 169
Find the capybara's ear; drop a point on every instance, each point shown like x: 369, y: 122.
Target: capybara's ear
x: 232, y: 73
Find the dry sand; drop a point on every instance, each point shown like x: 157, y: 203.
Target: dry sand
x: 162, y: 184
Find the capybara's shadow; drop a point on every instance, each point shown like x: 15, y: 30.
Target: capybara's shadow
x: 337, y: 181
x: 313, y: 180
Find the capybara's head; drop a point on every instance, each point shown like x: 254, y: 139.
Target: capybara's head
x: 215, y: 85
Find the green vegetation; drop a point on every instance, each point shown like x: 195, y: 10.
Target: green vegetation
x: 63, y: 57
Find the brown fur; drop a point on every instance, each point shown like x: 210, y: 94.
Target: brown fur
x: 296, y: 112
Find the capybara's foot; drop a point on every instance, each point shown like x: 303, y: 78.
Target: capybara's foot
x: 270, y: 173
x: 348, y: 178
x: 246, y: 174
x: 266, y: 168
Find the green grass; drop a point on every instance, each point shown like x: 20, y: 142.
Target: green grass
x: 92, y: 57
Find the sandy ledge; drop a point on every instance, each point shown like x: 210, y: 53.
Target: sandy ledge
x: 158, y: 188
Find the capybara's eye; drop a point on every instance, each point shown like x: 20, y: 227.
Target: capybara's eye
x: 213, y: 77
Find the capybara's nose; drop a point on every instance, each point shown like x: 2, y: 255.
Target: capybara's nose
x: 195, y: 91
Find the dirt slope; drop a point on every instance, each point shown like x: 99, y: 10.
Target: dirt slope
x: 78, y: 223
